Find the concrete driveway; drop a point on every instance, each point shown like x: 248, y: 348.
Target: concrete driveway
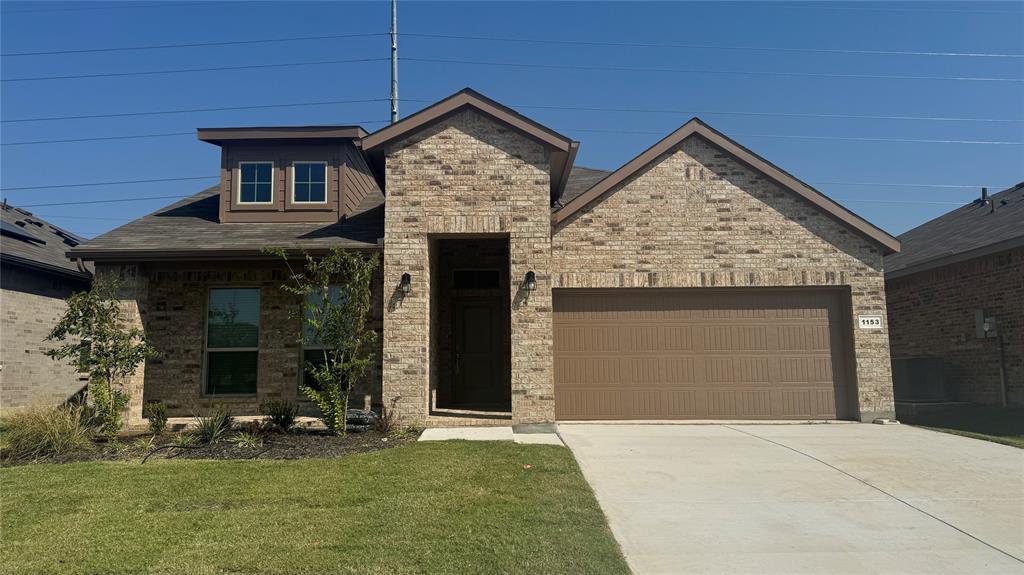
x: 837, y: 498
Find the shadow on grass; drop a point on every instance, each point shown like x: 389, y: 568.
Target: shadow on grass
x: 1001, y: 424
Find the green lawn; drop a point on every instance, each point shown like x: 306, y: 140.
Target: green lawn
x: 998, y: 424
x: 451, y: 507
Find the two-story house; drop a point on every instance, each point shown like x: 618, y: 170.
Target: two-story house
x: 697, y: 281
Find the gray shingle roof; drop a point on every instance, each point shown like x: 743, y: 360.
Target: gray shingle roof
x: 580, y: 180
x: 974, y: 227
x: 34, y: 242
x: 191, y: 227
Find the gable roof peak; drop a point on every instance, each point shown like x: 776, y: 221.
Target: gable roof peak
x: 696, y: 126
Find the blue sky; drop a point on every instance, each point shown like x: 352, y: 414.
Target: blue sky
x: 687, y: 81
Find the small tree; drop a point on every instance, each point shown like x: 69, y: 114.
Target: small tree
x: 99, y: 342
x: 336, y: 294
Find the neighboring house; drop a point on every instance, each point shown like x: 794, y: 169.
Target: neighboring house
x: 698, y: 281
x: 955, y: 274
x: 35, y: 278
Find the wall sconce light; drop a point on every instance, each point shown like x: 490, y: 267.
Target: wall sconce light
x: 530, y: 283
x: 405, y: 285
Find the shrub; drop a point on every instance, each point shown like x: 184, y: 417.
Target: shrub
x: 183, y: 440
x: 387, y: 422
x: 247, y: 440
x: 280, y: 412
x: 212, y: 428
x: 156, y: 413
x: 41, y: 430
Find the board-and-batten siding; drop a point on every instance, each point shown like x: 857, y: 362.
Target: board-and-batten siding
x: 357, y: 180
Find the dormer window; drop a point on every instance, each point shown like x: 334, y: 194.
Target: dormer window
x: 309, y: 182
x: 256, y: 183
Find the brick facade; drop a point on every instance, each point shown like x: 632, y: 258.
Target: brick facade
x: 467, y: 175
x: 931, y: 314
x: 694, y: 217
x: 169, y: 301
x: 698, y: 218
x: 31, y: 303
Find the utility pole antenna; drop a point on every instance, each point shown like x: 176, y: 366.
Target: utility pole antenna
x: 394, y: 61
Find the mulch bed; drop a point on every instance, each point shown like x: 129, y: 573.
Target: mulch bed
x: 301, y: 444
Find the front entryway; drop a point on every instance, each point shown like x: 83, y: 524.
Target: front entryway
x: 471, y: 341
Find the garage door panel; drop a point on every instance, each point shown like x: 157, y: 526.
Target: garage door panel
x: 696, y: 354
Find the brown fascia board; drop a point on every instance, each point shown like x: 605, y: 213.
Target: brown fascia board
x: 453, y: 103
x: 219, y: 135
x: 695, y: 126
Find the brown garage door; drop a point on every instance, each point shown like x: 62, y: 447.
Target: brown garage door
x: 700, y: 354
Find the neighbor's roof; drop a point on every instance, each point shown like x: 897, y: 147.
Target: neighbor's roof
x: 967, y: 232
x: 696, y: 126
x: 33, y: 242
x: 190, y: 229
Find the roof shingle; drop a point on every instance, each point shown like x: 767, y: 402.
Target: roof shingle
x: 960, y: 232
x: 191, y: 227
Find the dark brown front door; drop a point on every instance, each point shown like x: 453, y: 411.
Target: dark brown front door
x: 480, y: 373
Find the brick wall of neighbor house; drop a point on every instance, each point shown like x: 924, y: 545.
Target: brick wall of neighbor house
x: 931, y: 314
x: 169, y: 302
x: 467, y: 174
x: 699, y: 218
x: 31, y: 303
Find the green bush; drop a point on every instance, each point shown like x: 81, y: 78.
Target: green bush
x: 42, y: 430
x: 213, y: 428
x: 281, y: 413
x: 156, y: 413
x: 247, y: 440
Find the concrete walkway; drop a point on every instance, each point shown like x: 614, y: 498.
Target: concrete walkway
x: 805, y: 498
x: 505, y: 433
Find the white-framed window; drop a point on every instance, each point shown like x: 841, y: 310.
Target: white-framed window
x: 255, y: 182
x: 309, y: 182
x: 232, y: 341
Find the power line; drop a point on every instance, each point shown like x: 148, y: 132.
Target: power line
x: 911, y: 202
x: 192, y: 110
x: 799, y: 137
x: 616, y: 44
x: 80, y: 8
x: 136, y: 136
x: 70, y: 140
x: 190, y: 70
x: 592, y: 130
x: 728, y: 113
x: 522, y: 65
x: 117, y: 183
x: 192, y: 45
x: 709, y: 71
x: 135, y: 199
x: 82, y: 217
x: 621, y: 44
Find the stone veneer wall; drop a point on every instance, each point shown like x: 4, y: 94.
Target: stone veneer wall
x: 467, y: 175
x: 931, y: 314
x: 699, y: 218
x: 31, y: 303
x: 169, y: 302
